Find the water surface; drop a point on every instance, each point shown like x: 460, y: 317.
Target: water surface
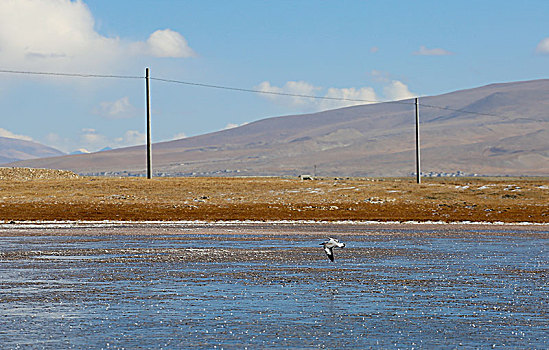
x: 390, y: 288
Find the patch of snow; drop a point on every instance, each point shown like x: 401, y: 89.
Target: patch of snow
x: 80, y: 151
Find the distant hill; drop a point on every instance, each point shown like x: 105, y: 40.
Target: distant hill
x: 12, y: 150
x: 507, y: 134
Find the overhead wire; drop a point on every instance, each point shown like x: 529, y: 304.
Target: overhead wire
x: 85, y: 75
x: 265, y: 92
x: 406, y: 101
x: 462, y: 111
x: 77, y: 75
x: 222, y: 87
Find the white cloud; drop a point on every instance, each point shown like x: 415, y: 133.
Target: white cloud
x: 178, y: 136
x: 52, y: 34
x: 119, y: 109
x: 352, y: 96
x: 397, y: 90
x: 543, y: 46
x: 291, y: 87
x: 9, y: 134
x: 131, y: 138
x: 393, y: 90
x: 233, y: 125
x: 423, y: 51
x: 88, y: 138
x: 230, y: 126
x: 166, y: 43
x: 333, y: 98
x: 60, y: 34
x: 92, y: 140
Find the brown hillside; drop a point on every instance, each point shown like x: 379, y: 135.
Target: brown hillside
x: 506, y: 134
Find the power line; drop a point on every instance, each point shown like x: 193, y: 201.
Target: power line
x: 406, y: 102
x: 277, y: 93
x: 85, y: 75
x: 78, y: 75
x: 268, y: 92
x: 460, y: 110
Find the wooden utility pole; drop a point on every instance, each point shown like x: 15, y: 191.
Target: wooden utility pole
x: 149, y: 150
x: 418, y: 167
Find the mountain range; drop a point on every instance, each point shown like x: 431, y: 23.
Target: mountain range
x: 15, y: 149
x: 498, y: 129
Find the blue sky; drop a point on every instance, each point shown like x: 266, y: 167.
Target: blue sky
x: 367, y: 50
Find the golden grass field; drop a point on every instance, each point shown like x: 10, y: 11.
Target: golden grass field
x: 32, y: 194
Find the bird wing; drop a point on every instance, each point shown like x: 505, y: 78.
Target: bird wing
x: 329, y: 253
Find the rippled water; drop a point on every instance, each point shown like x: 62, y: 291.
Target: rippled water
x: 234, y: 290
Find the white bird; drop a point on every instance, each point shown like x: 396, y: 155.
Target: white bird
x: 329, y: 245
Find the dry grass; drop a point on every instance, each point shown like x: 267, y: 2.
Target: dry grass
x: 455, y: 199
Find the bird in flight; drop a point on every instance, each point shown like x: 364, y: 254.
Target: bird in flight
x: 329, y: 245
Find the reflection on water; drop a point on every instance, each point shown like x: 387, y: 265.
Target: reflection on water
x: 257, y: 291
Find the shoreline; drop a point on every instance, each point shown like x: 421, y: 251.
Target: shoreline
x: 280, y: 227
x: 107, y: 223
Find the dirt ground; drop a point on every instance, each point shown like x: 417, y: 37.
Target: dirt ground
x: 32, y: 194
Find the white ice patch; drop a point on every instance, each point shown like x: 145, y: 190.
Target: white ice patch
x: 183, y: 224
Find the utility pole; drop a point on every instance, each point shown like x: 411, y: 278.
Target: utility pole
x: 149, y: 150
x: 418, y: 167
